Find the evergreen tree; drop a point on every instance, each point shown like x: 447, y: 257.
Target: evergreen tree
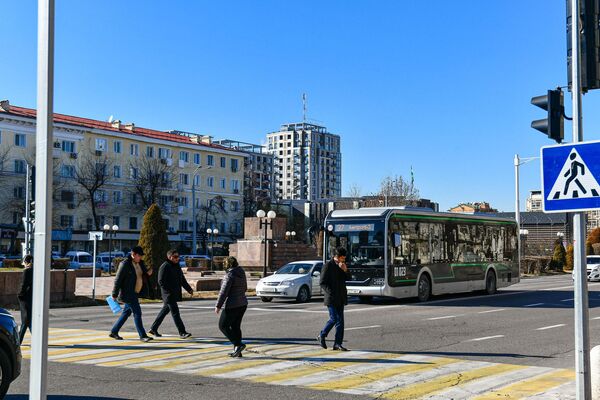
x: 559, y: 259
x: 569, y: 258
x: 155, y: 242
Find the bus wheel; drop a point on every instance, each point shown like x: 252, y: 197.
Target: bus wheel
x: 490, y: 283
x: 266, y: 299
x: 424, y: 288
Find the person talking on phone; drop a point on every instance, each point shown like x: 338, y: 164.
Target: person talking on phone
x: 333, y: 283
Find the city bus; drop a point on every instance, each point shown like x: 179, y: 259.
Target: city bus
x: 417, y: 252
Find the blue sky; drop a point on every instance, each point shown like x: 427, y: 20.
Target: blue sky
x: 442, y: 86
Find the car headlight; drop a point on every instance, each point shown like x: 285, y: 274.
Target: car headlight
x: 288, y: 283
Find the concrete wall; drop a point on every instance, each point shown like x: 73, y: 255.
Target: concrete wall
x: 252, y: 229
x: 62, y: 286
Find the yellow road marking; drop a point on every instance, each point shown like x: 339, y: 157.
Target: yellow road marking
x: 143, y: 358
x: 421, y: 389
x: 532, y: 386
x: 369, y: 377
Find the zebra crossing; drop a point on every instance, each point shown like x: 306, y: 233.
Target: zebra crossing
x: 367, y: 373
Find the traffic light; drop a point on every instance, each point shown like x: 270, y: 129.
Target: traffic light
x: 553, y: 125
x: 590, y: 44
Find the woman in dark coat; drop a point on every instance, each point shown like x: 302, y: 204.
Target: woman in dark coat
x: 25, y: 296
x: 233, y: 296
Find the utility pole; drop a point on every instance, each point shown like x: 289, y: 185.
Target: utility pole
x: 27, y: 220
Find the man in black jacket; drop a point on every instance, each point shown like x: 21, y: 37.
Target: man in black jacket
x: 25, y: 296
x: 171, y: 280
x: 333, y: 283
x: 129, y: 284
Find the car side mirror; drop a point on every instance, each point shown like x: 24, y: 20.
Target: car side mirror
x: 316, y: 273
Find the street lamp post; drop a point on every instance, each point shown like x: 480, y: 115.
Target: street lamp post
x: 195, y: 232
x: 266, y: 222
x: 211, y: 235
x: 290, y: 235
x: 110, y: 231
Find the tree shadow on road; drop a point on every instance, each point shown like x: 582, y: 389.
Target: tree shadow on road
x: 64, y: 397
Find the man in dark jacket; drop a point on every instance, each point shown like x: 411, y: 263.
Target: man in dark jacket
x: 333, y: 283
x: 25, y: 296
x: 233, y: 296
x: 171, y: 280
x: 129, y: 283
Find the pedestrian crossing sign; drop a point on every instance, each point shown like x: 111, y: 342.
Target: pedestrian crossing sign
x: 570, y: 177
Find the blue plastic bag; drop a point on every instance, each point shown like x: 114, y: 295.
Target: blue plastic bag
x: 114, y: 305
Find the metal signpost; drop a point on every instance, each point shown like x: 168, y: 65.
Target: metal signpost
x: 95, y: 236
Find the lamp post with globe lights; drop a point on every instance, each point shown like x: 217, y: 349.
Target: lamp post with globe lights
x: 211, y: 236
x: 110, y: 231
x: 265, y: 222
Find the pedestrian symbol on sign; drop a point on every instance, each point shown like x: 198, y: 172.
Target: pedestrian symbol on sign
x: 574, y: 181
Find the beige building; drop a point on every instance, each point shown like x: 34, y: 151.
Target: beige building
x: 110, y: 172
x: 534, y: 203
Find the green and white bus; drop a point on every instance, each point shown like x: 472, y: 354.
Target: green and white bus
x: 416, y: 252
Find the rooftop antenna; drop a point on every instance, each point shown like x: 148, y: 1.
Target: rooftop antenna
x: 110, y: 119
x: 304, y: 107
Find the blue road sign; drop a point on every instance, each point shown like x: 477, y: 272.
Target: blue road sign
x: 570, y: 176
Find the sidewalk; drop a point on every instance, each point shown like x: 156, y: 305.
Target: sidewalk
x: 105, y: 284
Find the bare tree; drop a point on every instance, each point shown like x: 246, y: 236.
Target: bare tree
x: 91, y: 173
x: 150, y: 178
x: 396, y: 189
x: 354, y: 190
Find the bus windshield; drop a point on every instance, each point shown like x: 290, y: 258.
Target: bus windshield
x: 364, y: 241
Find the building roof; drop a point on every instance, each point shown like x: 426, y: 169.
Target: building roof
x: 537, y: 217
x: 128, y: 129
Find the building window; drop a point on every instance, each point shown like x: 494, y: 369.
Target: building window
x: 20, y: 166
x: 67, y: 171
x: 133, y: 173
x: 20, y: 140
x: 101, y: 168
x: 68, y: 146
x: 183, y: 225
x: 117, y: 197
x: 210, y: 181
x: 117, y: 146
x: 150, y: 152
x: 197, y: 158
x: 196, y: 180
x: 223, y: 183
x: 67, y: 196
x: 117, y: 171
x: 134, y: 150
x: 19, y: 192
x: 133, y: 223
x: 101, y: 145
x: 164, y: 152
x: 184, y: 156
x: 234, y: 165
x: 66, y: 221
x: 210, y: 160
x: 235, y: 205
x: 223, y: 162
x: 100, y: 196
x: 134, y: 199
x: 235, y: 186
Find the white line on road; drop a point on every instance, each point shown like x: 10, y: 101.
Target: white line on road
x: 533, y: 305
x: 550, y: 327
x: 490, y: 311
x: 363, y: 327
x: 485, y: 338
x: 444, y: 317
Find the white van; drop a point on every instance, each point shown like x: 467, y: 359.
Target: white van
x: 80, y: 259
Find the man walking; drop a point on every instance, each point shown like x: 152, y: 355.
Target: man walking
x: 171, y: 280
x: 25, y: 296
x: 129, y: 284
x: 333, y: 283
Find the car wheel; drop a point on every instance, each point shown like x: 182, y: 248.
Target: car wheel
x: 266, y: 299
x: 5, y: 373
x: 490, y: 283
x: 303, y: 295
x: 424, y: 288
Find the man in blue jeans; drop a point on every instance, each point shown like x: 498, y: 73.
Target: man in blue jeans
x: 129, y: 283
x: 333, y: 283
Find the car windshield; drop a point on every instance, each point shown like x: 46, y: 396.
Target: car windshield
x: 296, y: 269
x: 593, y: 260
x: 85, y: 259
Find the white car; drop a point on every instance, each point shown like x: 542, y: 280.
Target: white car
x: 297, y: 280
x: 593, y: 268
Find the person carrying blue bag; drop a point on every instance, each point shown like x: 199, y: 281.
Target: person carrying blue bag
x: 128, y: 286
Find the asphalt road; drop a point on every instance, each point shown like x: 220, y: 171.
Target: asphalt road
x: 530, y: 323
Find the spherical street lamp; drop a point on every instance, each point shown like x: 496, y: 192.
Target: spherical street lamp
x: 110, y: 231
x: 265, y: 222
x: 211, y: 235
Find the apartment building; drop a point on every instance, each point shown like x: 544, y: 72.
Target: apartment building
x: 110, y: 172
x: 258, y: 174
x: 308, y: 162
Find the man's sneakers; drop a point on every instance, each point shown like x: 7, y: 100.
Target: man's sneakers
x: 185, y: 335
x: 115, y: 336
x: 339, y: 347
x: 146, y: 339
x: 237, y: 350
x: 154, y: 333
x: 321, y: 340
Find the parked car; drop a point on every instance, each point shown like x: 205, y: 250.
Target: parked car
x: 593, y: 268
x: 114, y: 254
x: 2, y: 257
x: 184, y: 257
x: 10, y: 351
x: 80, y: 259
x: 297, y: 280
x: 102, y: 262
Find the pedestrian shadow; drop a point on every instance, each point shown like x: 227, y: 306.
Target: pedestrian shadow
x: 64, y: 397
x: 459, y: 354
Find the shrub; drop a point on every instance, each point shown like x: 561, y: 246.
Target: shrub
x: 589, y: 249
x: 559, y: 258
x: 12, y: 263
x: 569, y: 264
x: 61, y: 263
x: 596, y: 248
x: 155, y: 242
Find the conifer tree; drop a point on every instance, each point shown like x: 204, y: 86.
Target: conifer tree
x: 569, y: 258
x: 155, y: 242
x: 559, y: 258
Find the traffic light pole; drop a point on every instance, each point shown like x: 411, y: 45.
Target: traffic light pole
x: 582, y: 334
